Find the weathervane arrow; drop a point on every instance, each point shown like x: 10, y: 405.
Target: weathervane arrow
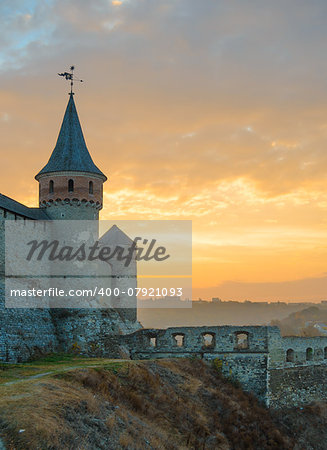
x: 70, y: 76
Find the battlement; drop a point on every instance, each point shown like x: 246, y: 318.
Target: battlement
x: 256, y: 356
x: 183, y: 341
x: 304, y: 350
x: 206, y: 342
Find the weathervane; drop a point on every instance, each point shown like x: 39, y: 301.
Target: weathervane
x: 70, y: 76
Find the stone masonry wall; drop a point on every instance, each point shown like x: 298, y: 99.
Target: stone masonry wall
x: 305, y: 350
x: 28, y: 332
x: 90, y: 331
x: 297, y: 385
x: 24, y: 333
x: 245, y: 360
x: 255, y: 356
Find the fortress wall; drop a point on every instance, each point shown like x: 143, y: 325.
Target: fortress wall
x: 260, y: 366
x: 297, y: 386
x: 249, y: 369
x: 301, y: 347
x: 28, y: 333
x: 24, y: 332
x: 2, y: 318
x: 124, y: 277
x: 225, y: 340
x: 275, y: 346
x: 245, y: 362
x: 78, y: 330
x: 2, y: 260
x: 90, y: 331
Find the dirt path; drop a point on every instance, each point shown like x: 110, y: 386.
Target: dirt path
x: 44, y: 374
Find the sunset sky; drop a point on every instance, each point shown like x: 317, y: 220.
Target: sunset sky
x: 209, y: 110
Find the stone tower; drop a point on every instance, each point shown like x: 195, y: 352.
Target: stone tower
x: 70, y: 184
x: 70, y: 188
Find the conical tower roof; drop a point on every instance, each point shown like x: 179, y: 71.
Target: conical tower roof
x: 70, y: 153
x: 116, y: 236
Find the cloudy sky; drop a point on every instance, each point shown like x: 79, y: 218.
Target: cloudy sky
x: 209, y: 110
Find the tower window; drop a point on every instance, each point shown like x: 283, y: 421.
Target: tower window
x: 51, y: 186
x: 70, y: 185
x: 90, y: 187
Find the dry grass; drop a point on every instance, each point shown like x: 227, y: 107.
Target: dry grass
x: 52, y: 363
x: 175, y: 404
x: 39, y: 412
x: 308, y: 425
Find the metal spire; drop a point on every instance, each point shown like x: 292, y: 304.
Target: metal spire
x: 70, y: 76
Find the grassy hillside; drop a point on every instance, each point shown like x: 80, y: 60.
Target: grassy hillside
x: 74, y: 403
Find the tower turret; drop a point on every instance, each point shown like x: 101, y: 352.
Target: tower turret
x: 70, y: 184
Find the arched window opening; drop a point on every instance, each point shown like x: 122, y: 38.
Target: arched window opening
x: 290, y: 355
x: 208, y: 340
x: 51, y: 186
x: 242, y: 340
x: 70, y: 185
x: 179, y: 339
x: 90, y: 187
x: 309, y: 354
x: 153, y: 341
